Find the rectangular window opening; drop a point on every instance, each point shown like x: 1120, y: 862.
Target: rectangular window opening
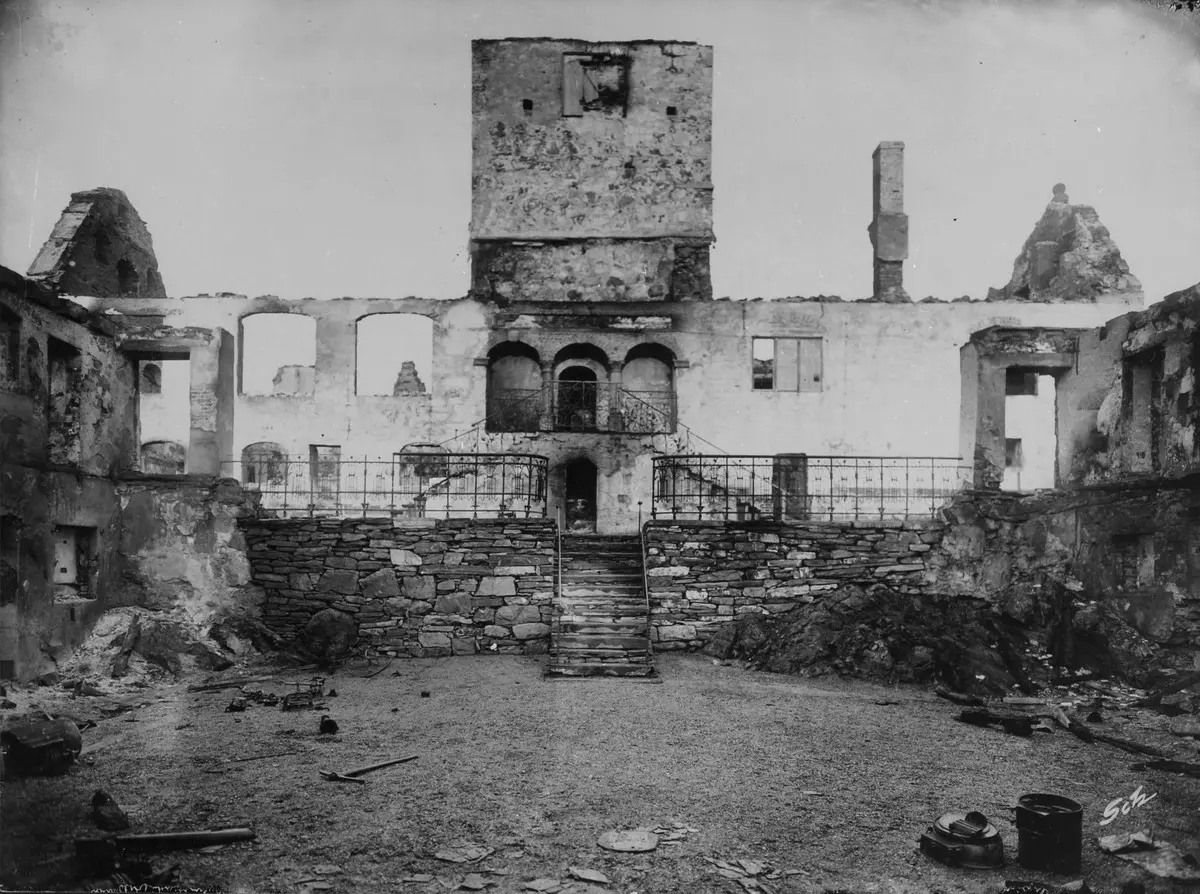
x: 672, y: 111
x: 1020, y: 382
x: 74, y: 563
x: 787, y: 364
x: 65, y: 369
x: 595, y: 83
x: 1133, y: 560
x: 10, y: 558
x: 1030, y: 430
x: 1142, y: 393
x: 10, y: 348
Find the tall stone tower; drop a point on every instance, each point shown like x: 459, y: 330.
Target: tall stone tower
x: 591, y: 170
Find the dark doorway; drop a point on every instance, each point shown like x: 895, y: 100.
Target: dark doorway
x: 576, y: 399
x: 579, y: 494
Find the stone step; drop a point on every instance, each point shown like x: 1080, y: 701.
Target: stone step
x: 603, y: 640
x: 599, y: 669
x: 602, y: 574
x: 613, y: 656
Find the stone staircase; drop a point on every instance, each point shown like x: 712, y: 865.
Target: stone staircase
x: 600, y: 626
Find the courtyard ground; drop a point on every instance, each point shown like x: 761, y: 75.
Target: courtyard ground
x: 831, y: 778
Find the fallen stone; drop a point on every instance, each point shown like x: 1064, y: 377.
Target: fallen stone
x: 329, y: 634
x: 1186, y: 725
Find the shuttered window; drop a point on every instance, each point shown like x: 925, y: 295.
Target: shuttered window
x: 787, y: 364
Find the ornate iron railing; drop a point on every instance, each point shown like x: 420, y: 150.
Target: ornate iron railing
x: 581, y: 407
x: 801, y: 487
x: 414, y: 485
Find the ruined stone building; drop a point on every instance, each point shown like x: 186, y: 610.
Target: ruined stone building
x: 588, y: 382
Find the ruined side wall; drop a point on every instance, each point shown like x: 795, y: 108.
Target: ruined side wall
x: 180, y: 548
x: 702, y: 575
x: 539, y: 175
x: 1134, y: 548
x: 56, y: 476
x: 423, y: 590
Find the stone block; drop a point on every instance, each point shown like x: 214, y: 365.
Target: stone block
x: 668, y: 571
x: 404, y: 557
x: 669, y: 632
x: 434, y: 640
x: 517, y: 614
x: 496, y: 632
x: 463, y: 645
x: 517, y: 570
x: 339, y: 581
x: 453, y: 603
x: 497, y: 586
x: 417, y: 587
x: 531, y: 631
x: 381, y: 585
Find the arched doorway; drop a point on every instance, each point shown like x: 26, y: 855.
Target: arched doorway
x: 579, y: 494
x: 575, y: 404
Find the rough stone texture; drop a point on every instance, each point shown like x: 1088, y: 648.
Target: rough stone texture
x: 449, y: 601
x: 100, y: 248
x: 330, y: 634
x: 1069, y: 256
x: 407, y: 380
x: 703, y: 575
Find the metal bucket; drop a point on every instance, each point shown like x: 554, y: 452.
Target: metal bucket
x: 1049, y: 833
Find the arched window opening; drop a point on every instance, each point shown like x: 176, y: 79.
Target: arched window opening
x: 163, y: 458
x: 514, y: 398
x: 647, y: 399
x: 394, y: 355
x: 279, y: 354
x: 264, y: 465
x: 151, y: 378
x: 575, y: 399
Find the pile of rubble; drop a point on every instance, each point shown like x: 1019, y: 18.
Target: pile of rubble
x: 964, y: 643
x: 132, y: 648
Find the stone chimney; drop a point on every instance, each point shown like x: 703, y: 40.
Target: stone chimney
x: 889, y: 223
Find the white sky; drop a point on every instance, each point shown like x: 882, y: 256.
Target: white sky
x: 308, y: 148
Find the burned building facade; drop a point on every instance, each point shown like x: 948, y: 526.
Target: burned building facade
x: 411, y: 462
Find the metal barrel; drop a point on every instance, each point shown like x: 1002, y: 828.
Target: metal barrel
x: 1049, y: 833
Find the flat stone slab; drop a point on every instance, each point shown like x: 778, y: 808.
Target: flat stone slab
x: 629, y: 841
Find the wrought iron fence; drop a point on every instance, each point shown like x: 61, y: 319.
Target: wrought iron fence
x: 414, y: 485
x: 582, y: 407
x: 801, y: 487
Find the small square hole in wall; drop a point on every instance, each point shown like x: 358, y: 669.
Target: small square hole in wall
x: 672, y: 111
x: 527, y: 106
x: 8, y: 670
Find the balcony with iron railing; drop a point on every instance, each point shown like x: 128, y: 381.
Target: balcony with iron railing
x: 799, y: 487
x: 412, y: 485
x: 581, y: 407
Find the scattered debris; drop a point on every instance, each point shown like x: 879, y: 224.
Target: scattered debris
x: 352, y: 775
x: 227, y: 684
x: 105, y: 852
x: 1160, y: 858
x: 328, y: 725
x: 968, y: 840
x: 1017, y: 724
x: 673, y: 833
x: 544, y: 885
x: 464, y: 851
x: 332, y: 693
x: 588, y: 875
x: 1186, y: 726
x: 305, y: 695
x: 41, y: 748
x: 419, y: 878
x: 474, y: 882
x: 751, y: 873
x: 1179, y: 685
x: 1168, y: 766
x: 236, y: 705
x: 958, y: 699
x: 629, y: 841
x: 424, y: 693
x: 120, y: 665
x: 7, y: 704
x: 107, y: 813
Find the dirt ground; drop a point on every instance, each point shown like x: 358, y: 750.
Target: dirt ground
x: 832, y: 779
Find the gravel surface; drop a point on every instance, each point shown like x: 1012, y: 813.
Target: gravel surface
x: 832, y: 779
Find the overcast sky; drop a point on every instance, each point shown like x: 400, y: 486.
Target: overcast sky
x: 323, y: 148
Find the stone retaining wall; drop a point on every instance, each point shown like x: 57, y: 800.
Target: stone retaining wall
x: 704, y: 574
x: 418, y: 588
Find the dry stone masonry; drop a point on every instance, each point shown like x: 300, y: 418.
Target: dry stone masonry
x: 702, y: 575
x: 424, y: 589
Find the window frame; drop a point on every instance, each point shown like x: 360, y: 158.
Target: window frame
x: 817, y: 383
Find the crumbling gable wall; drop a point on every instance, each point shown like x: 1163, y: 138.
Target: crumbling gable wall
x: 100, y: 248
x: 1069, y: 256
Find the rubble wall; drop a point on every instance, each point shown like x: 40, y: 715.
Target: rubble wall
x: 180, y: 548
x: 705, y: 574
x: 419, y: 588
